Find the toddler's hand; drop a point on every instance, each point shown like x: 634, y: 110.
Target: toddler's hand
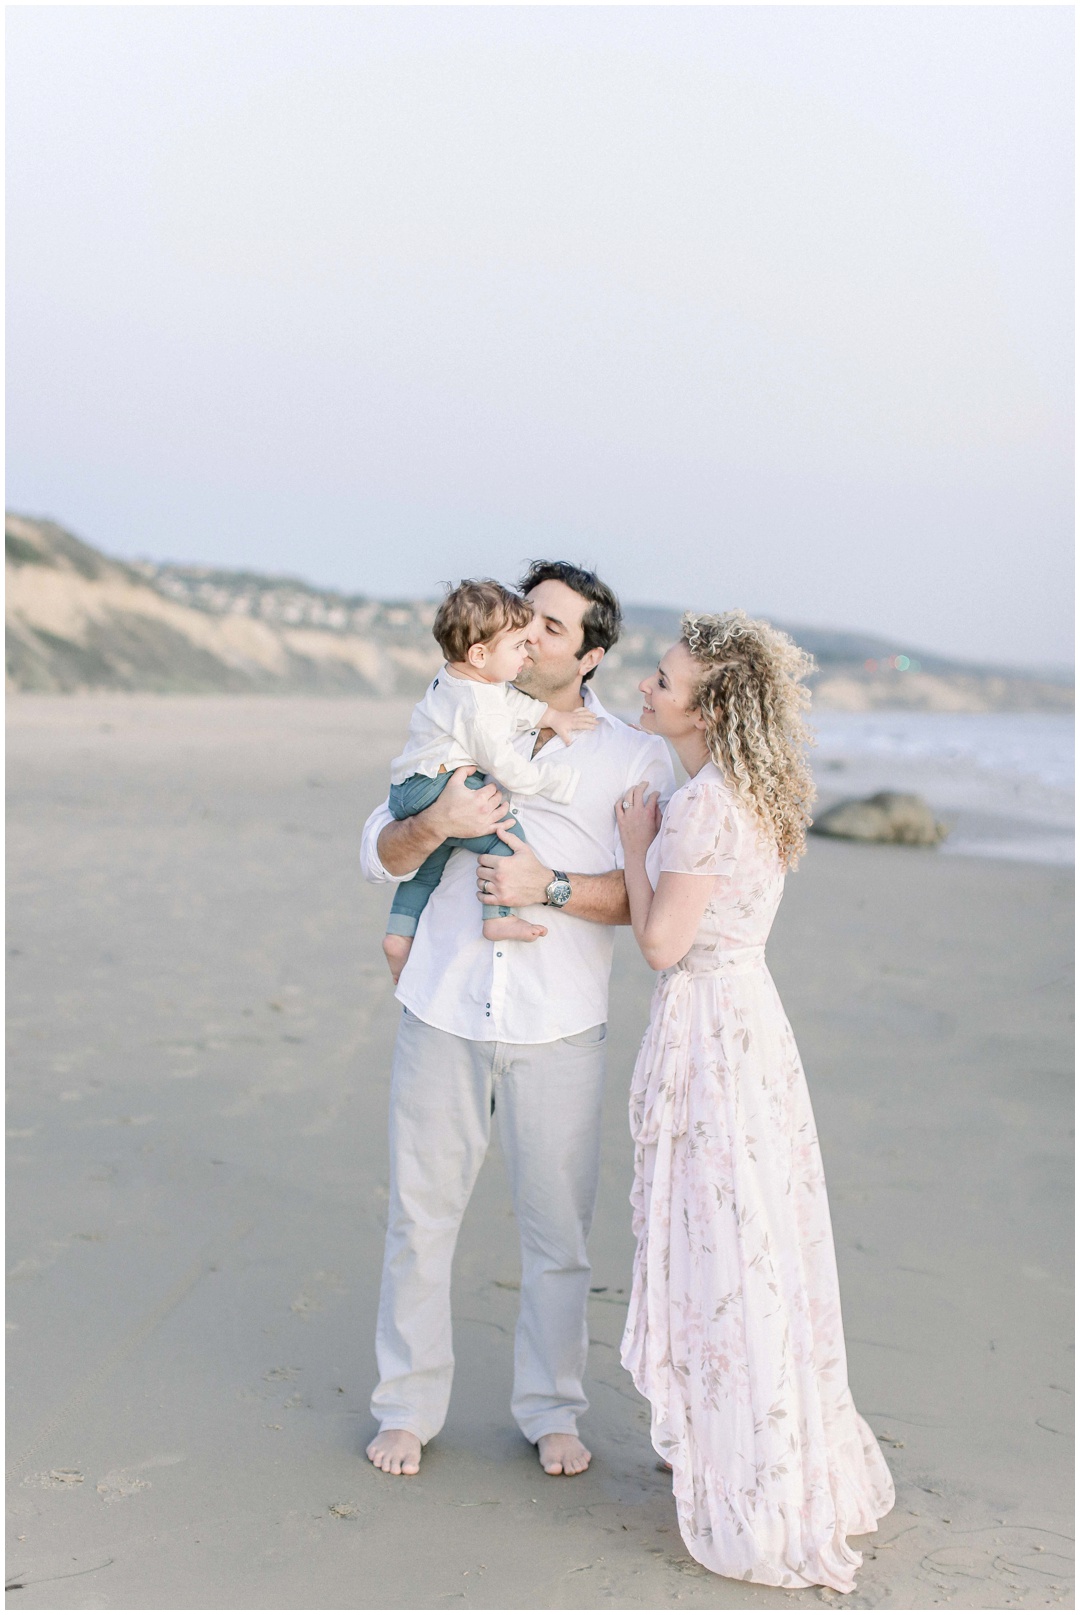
x: 567, y: 725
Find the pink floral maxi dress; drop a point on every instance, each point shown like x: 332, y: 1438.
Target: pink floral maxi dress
x: 734, y: 1331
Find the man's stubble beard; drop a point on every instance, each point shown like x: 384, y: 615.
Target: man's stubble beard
x: 533, y: 681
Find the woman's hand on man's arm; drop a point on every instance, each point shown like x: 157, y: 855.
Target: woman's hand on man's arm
x: 458, y: 811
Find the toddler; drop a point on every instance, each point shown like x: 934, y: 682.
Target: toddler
x: 470, y: 715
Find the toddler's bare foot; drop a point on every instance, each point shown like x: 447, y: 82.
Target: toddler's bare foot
x: 396, y: 949
x: 395, y: 1452
x: 563, y: 1455
x: 511, y: 929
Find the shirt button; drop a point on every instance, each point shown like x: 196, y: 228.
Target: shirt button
x: 487, y: 1006
x: 498, y: 956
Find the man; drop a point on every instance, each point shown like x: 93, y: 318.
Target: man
x: 514, y: 1029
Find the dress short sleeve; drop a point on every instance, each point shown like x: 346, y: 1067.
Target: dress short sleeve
x: 701, y: 831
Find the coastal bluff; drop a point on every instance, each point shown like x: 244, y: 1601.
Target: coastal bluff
x: 79, y: 620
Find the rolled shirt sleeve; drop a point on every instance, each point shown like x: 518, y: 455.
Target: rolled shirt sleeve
x: 371, y: 866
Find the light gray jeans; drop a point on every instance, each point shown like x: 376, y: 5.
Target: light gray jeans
x: 546, y: 1099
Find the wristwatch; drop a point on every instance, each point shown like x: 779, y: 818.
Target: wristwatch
x: 558, y: 890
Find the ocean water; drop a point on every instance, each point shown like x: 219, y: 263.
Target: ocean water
x: 1002, y: 781
x: 1018, y: 745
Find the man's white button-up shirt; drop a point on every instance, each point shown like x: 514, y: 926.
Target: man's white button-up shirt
x: 529, y: 992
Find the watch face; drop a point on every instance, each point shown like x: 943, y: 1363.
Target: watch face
x: 558, y: 893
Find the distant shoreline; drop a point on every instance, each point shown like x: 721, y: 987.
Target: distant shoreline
x: 79, y: 620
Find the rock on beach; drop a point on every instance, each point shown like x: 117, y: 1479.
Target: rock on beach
x: 895, y: 816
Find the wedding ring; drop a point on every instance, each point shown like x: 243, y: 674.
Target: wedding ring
x: 625, y: 805
x: 485, y: 888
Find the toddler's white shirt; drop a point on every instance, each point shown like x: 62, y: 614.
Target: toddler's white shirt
x: 463, y: 721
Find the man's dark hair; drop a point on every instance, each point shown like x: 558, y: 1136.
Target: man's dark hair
x: 602, y: 622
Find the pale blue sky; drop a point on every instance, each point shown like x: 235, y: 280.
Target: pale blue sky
x: 761, y: 306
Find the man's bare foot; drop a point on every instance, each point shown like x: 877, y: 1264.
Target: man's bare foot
x: 511, y: 929
x: 563, y: 1455
x: 395, y: 1452
x: 397, y: 950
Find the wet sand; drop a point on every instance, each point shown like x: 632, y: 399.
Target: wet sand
x: 201, y: 1026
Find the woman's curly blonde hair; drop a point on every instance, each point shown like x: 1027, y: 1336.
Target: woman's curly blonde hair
x: 752, y: 696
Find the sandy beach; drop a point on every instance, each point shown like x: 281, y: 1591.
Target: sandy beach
x: 201, y: 1025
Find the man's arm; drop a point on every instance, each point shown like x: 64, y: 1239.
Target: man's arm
x: 403, y: 844
x: 524, y: 879
x: 601, y: 898
x: 598, y: 897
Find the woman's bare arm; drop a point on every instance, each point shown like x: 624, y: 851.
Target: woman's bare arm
x: 666, y: 920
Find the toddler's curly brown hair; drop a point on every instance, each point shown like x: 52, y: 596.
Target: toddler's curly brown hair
x: 475, y: 613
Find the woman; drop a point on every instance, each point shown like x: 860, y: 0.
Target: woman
x: 734, y: 1330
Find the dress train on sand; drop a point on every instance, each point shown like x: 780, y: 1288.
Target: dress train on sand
x: 734, y: 1331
